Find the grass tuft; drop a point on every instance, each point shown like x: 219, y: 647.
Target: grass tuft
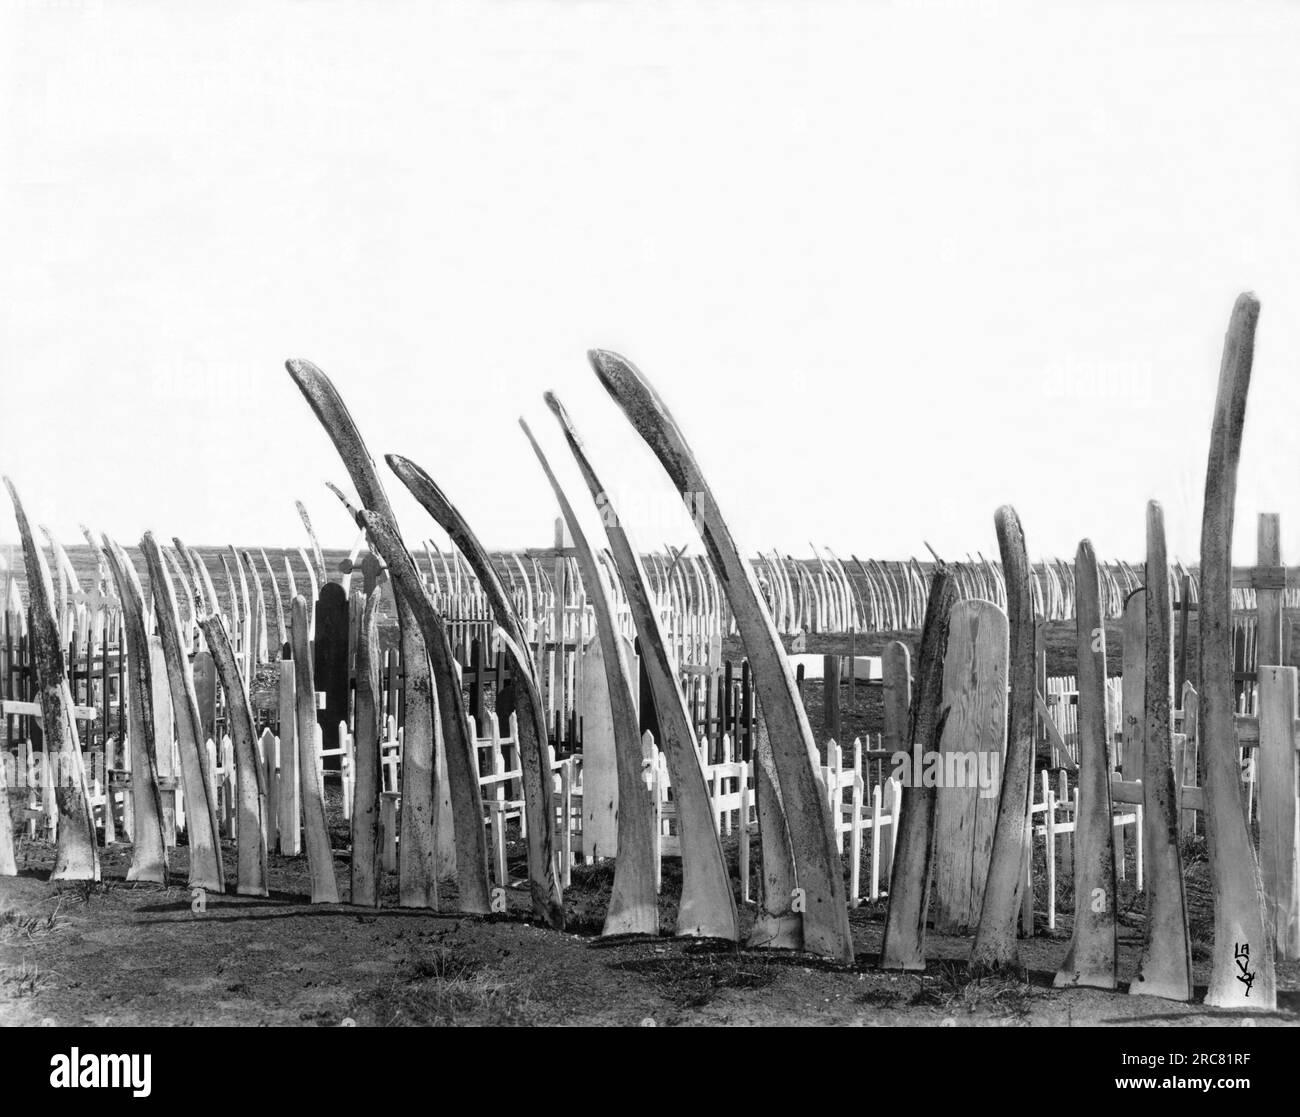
x: 17, y: 926
x: 953, y: 987
x: 26, y: 980
x: 693, y: 979
x: 83, y: 892
x: 449, y: 991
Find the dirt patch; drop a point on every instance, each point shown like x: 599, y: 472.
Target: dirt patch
x: 121, y: 954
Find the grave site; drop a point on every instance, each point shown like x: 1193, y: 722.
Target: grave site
x: 591, y: 783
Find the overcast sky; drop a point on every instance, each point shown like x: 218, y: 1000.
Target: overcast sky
x: 891, y: 265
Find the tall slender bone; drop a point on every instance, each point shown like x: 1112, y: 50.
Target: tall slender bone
x: 320, y: 857
x: 206, y: 868
x: 544, y: 885
x: 462, y: 763
x: 322, y: 574
x: 234, y: 614
x: 1091, y: 957
x: 423, y: 858
x: 633, y: 904
x: 192, y: 565
x: 149, y: 847
x: 290, y: 582
x: 1241, y: 971
x: 820, y: 883
x: 209, y: 590
x: 708, y: 906
x: 69, y: 586
x: 250, y: 778
x: 281, y: 633
x: 245, y: 626
x: 417, y: 854
x: 259, y: 646
x: 1166, y: 966
x: 776, y: 925
x: 995, y: 939
x: 903, y: 946
x: 76, y: 857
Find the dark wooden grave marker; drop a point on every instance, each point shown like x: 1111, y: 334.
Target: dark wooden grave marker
x: 330, y: 665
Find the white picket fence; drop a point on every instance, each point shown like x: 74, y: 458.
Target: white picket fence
x: 864, y: 815
x: 863, y: 811
x: 863, y: 798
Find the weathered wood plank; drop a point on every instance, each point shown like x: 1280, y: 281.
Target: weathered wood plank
x: 367, y: 852
x: 975, y: 694
x: 289, y: 790
x: 1279, y: 825
x: 330, y: 662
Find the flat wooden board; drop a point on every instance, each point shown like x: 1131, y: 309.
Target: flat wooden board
x: 975, y: 695
x: 205, y: 692
x: 330, y: 664
x: 599, y: 765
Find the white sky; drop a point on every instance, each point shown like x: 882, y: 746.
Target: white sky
x: 891, y: 265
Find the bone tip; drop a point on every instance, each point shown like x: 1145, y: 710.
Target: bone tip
x: 557, y: 409
x: 606, y: 362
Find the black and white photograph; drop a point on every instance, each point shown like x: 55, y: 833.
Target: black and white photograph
x: 571, y: 513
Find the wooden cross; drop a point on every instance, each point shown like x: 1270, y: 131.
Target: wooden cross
x: 560, y: 550
x: 373, y: 571
x: 95, y: 599
x: 551, y: 552
x: 677, y: 557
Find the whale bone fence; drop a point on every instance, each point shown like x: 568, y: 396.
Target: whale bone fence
x: 236, y: 715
